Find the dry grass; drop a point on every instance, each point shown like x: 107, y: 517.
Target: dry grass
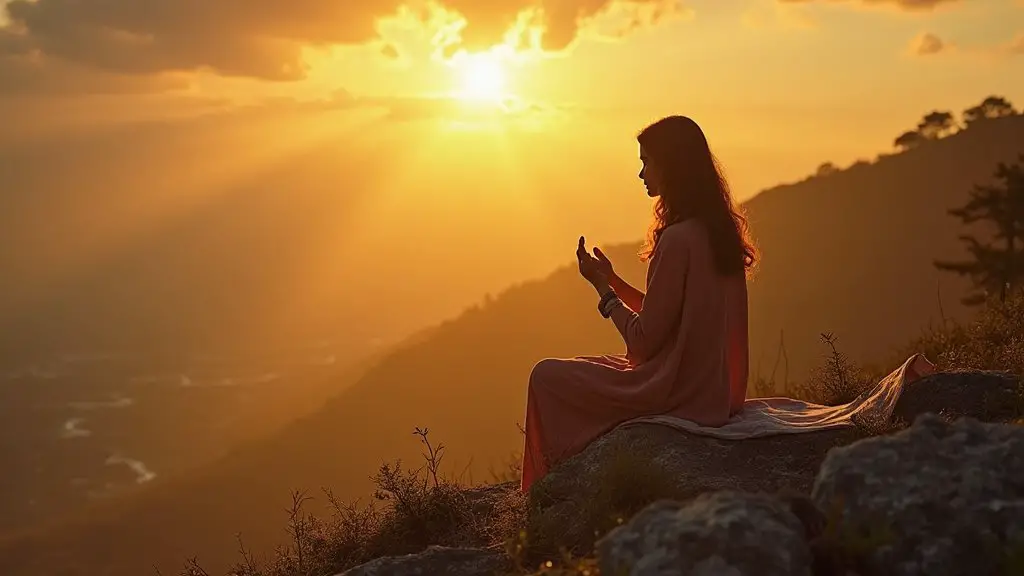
x: 994, y: 340
x: 412, y: 509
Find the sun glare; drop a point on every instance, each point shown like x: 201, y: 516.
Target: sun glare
x: 482, y: 77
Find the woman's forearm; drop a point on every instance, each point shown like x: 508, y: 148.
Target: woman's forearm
x: 630, y: 296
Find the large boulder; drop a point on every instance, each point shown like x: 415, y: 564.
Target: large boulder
x: 722, y: 533
x: 630, y: 467
x: 938, y: 498
x: 985, y: 395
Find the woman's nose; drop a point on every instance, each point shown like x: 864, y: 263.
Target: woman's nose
x: 641, y: 174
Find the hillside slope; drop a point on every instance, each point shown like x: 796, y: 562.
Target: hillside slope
x: 849, y: 253
x: 852, y: 252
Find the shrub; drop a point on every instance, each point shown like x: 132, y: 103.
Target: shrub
x: 837, y: 381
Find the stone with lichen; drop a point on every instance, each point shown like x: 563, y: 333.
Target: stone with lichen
x: 724, y: 533
x: 938, y: 498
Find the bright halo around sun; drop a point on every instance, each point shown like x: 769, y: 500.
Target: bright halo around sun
x: 482, y: 77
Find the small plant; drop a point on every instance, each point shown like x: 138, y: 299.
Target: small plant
x: 421, y: 508
x: 248, y: 566
x: 511, y: 471
x: 838, y: 381
x: 433, y: 455
x: 192, y: 568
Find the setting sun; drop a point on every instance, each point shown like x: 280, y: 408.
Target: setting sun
x: 481, y: 77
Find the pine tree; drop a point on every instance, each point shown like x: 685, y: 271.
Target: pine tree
x: 997, y: 265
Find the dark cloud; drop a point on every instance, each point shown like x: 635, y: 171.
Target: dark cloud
x: 32, y: 74
x: 904, y: 4
x: 252, y: 38
x: 255, y: 38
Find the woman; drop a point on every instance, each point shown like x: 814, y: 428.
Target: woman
x: 686, y: 337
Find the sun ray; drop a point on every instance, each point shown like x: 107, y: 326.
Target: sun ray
x: 482, y: 77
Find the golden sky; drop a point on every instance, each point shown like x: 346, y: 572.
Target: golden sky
x: 779, y: 85
x: 481, y: 137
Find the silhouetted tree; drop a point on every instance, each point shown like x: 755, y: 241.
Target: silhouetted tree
x: 991, y: 107
x: 999, y: 264
x: 907, y: 140
x: 936, y: 125
x: 826, y: 169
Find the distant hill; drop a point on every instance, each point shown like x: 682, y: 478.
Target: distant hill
x: 849, y: 252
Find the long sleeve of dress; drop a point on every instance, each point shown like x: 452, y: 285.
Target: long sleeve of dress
x: 646, y: 331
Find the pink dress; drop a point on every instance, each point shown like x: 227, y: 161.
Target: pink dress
x: 686, y: 356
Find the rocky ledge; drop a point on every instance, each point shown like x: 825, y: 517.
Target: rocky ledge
x: 943, y: 496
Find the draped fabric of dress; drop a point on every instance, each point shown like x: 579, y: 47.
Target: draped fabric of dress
x: 686, y: 356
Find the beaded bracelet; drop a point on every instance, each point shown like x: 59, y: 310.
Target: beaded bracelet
x: 608, y: 303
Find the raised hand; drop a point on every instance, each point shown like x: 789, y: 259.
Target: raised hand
x: 604, y: 263
x: 591, y: 268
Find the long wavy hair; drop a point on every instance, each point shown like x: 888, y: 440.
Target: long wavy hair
x: 692, y: 186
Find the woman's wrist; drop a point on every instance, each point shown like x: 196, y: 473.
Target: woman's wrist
x: 614, y: 280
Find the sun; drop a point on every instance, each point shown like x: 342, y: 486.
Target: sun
x: 481, y: 77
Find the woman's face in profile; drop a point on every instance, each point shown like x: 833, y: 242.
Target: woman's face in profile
x: 648, y: 173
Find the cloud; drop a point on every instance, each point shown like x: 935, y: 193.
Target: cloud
x: 263, y: 39
x: 914, y: 5
x: 1016, y: 46
x: 22, y: 75
x: 621, y: 19
x: 927, y: 44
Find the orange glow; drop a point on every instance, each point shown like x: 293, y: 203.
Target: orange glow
x: 481, y: 76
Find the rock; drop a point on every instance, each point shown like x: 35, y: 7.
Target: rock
x: 631, y: 467
x: 725, y: 533
x: 938, y: 498
x: 485, y: 500
x: 436, y: 561
x: 985, y: 395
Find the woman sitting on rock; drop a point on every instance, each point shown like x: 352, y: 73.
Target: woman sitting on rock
x: 685, y: 335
